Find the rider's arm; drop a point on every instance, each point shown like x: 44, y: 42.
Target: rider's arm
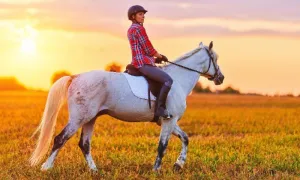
x: 145, y: 42
x: 157, y: 55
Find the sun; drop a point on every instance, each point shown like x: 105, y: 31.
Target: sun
x: 28, y: 46
x: 28, y: 40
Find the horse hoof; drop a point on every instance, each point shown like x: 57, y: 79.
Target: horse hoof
x: 177, y: 167
x: 156, y: 169
x: 45, y: 167
x: 94, y: 170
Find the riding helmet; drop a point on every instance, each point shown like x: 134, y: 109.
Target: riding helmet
x: 135, y: 9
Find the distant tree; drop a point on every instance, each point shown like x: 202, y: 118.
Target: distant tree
x: 10, y: 83
x: 57, y: 75
x: 199, y: 89
x: 113, y: 67
x: 229, y: 90
x: 289, y: 95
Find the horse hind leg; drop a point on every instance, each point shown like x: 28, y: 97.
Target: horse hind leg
x: 183, y: 154
x: 59, y: 141
x: 85, y: 143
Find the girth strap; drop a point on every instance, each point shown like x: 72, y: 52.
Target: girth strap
x: 149, y: 99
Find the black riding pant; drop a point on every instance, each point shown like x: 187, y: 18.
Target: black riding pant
x: 156, y: 74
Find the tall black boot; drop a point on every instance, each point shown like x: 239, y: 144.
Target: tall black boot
x: 161, y: 110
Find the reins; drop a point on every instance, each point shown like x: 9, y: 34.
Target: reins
x: 201, y: 73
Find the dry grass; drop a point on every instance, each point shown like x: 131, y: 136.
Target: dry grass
x: 231, y: 137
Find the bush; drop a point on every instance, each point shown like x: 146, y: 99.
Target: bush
x: 57, y: 75
x: 113, y: 67
x: 199, y: 89
x: 10, y: 83
x: 229, y: 90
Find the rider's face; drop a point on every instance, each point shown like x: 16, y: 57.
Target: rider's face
x: 139, y: 17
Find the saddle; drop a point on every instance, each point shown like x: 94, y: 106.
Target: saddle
x: 154, y: 86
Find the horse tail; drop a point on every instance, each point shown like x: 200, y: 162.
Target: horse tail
x: 55, y: 100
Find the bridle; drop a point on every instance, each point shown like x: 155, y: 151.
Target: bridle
x: 211, y: 61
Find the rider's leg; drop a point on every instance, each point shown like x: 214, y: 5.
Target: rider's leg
x: 159, y: 75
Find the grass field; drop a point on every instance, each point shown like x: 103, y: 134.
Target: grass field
x: 231, y: 137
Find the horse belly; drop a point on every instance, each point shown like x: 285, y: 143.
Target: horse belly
x: 133, y: 111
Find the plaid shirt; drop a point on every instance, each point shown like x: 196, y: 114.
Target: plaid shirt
x: 141, y: 47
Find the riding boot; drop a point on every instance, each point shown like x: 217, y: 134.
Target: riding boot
x: 161, y: 110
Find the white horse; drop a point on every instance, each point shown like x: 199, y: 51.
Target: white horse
x: 95, y: 93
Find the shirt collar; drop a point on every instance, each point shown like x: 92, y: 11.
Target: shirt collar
x: 137, y: 23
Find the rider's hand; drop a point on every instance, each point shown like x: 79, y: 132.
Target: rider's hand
x: 158, y: 60
x: 164, y: 58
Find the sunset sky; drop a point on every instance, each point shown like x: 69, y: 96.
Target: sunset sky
x: 258, y: 42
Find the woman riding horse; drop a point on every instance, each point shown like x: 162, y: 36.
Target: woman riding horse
x: 143, y: 59
x: 95, y: 93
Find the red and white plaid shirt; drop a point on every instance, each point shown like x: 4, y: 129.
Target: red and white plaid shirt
x: 141, y: 47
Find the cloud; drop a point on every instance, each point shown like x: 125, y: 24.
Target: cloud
x: 23, y: 1
x: 171, y: 9
x: 165, y: 18
x: 232, y: 24
x: 211, y: 31
x: 237, y: 9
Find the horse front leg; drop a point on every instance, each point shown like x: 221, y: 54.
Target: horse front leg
x: 167, y: 127
x: 185, y: 142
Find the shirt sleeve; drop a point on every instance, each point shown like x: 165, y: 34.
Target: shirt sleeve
x: 144, y: 41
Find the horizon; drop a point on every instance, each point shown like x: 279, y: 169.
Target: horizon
x: 256, y: 41
x: 11, y: 80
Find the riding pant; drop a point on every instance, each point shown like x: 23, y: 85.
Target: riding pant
x: 156, y: 74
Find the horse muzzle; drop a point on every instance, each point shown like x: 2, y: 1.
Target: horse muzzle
x: 219, y: 79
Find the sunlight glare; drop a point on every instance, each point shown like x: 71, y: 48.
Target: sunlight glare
x: 28, y: 44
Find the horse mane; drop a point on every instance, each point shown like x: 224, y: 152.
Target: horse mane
x: 188, y: 54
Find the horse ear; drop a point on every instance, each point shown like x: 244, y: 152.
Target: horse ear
x: 201, y: 45
x: 210, y: 45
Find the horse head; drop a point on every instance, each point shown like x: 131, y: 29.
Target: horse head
x: 213, y: 72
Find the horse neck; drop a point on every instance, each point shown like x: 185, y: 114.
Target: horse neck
x: 187, y: 78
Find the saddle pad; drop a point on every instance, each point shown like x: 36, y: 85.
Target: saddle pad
x: 139, y: 86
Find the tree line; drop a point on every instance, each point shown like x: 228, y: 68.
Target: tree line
x: 11, y: 83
